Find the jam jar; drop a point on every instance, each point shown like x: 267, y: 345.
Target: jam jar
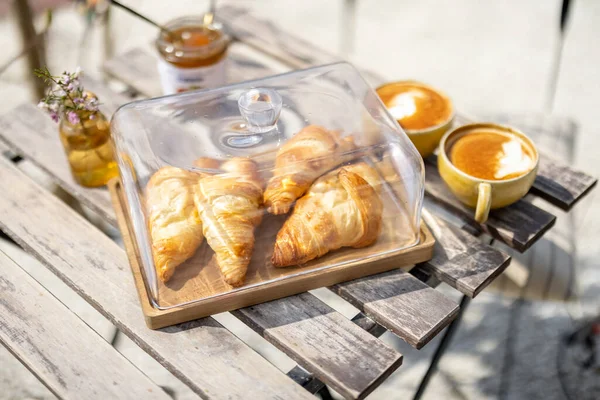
x: 192, y: 55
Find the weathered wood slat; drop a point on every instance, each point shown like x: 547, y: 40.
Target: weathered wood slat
x: 518, y: 225
x: 203, y: 354
x: 560, y: 184
x: 63, y: 352
x: 556, y: 182
x: 354, y: 372
x: 129, y: 67
x: 399, y: 296
x: 137, y: 68
x: 33, y: 135
x: 461, y: 260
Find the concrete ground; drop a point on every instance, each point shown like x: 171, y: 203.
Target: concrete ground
x: 492, y: 57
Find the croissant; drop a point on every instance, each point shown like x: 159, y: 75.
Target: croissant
x: 308, y: 155
x: 173, y: 221
x: 229, y: 207
x: 342, y: 208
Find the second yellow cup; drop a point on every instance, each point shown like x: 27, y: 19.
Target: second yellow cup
x: 487, y: 149
x: 422, y: 111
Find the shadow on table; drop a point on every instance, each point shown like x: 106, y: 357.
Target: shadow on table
x: 505, y: 348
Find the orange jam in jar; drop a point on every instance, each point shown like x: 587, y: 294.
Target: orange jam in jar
x: 192, y: 55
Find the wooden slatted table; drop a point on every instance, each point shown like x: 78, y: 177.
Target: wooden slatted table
x: 329, y: 348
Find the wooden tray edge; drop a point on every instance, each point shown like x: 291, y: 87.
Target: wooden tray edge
x: 149, y: 312
x: 156, y: 318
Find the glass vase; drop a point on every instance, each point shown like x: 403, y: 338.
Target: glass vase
x: 89, y: 149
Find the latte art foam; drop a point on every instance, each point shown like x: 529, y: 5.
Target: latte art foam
x: 491, y: 155
x: 415, y: 106
x: 513, y: 160
x: 404, y: 105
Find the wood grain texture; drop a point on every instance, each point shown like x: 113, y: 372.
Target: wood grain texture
x: 65, y: 354
x: 519, y: 225
x: 557, y: 183
x: 203, y: 354
x: 398, y: 296
x: 461, y: 260
x: 30, y: 133
x: 560, y: 184
x: 360, y: 357
x: 136, y: 67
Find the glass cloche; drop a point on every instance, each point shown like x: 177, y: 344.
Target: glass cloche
x: 252, y: 184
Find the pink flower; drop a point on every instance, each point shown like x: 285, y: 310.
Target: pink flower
x: 66, y: 96
x: 92, y: 105
x: 73, y: 117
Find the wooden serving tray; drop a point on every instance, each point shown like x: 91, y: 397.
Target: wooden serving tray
x: 199, y: 284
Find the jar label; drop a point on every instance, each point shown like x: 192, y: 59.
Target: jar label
x: 177, y: 80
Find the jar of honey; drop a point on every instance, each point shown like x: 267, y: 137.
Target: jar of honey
x: 192, y: 55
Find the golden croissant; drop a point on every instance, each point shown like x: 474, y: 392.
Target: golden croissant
x: 308, y: 155
x: 229, y: 207
x: 341, y: 209
x: 173, y: 221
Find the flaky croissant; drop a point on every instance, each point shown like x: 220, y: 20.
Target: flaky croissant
x: 229, y: 207
x: 173, y: 221
x: 308, y: 155
x: 341, y: 209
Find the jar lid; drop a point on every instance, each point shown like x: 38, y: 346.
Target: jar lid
x: 191, y: 37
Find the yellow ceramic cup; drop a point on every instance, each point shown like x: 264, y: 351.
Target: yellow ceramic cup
x: 483, y: 194
x: 425, y: 139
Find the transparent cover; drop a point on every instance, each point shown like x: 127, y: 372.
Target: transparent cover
x: 248, y: 184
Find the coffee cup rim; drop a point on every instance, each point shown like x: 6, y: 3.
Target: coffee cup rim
x: 482, y: 125
x: 423, y: 131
